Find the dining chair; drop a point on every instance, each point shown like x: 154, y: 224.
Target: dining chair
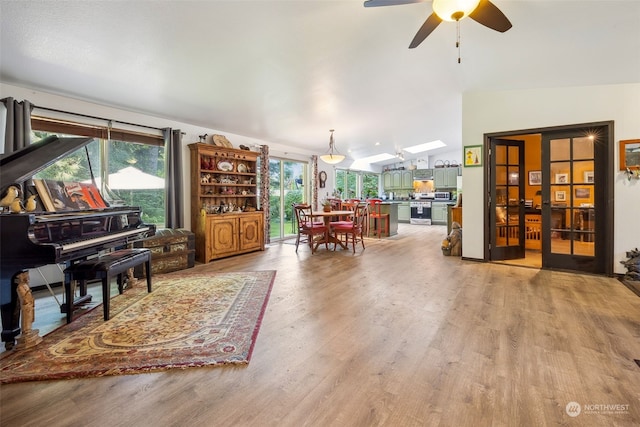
x: 308, y: 230
x: 348, y: 205
x: 308, y: 208
x: 376, y: 214
x: 335, y: 204
x: 353, y: 229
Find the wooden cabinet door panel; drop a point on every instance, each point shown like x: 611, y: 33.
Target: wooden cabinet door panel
x: 224, y: 236
x: 250, y: 232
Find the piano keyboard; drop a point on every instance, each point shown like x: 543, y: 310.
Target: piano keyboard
x: 92, y: 242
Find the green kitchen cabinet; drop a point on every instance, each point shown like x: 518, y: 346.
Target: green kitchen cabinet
x: 397, y: 180
x: 404, y: 212
x: 439, y: 213
x: 445, y: 177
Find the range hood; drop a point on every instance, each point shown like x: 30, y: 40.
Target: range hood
x: 422, y: 174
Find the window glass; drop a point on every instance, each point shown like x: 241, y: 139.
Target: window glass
x: 134, y: 171
x: 354, y: 184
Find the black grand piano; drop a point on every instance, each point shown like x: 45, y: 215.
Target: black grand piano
x: 30, y: 240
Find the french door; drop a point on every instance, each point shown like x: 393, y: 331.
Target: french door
x: 506, y: 213
x: 574, y: 224
x: 575, y: 191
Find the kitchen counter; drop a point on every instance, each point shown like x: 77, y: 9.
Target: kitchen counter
x: 390, y: 207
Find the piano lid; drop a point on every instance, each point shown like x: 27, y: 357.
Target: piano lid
x: 16, y: 167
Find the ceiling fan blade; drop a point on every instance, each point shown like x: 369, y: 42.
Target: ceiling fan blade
x: 490, y: 16
x: 376, y: 3
x: 429, y: 25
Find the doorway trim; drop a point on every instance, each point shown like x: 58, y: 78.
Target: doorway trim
x: 608, y: 186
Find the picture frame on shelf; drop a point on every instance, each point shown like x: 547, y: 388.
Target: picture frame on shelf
x: 562, y: 178
x: 561, y: 196
x: 535, y: 177
x: 589, y: 177
x: 472, y: 156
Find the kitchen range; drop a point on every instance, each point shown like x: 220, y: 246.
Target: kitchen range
x: 421, y: 206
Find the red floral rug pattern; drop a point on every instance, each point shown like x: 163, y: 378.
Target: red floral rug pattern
x: 190, y: 319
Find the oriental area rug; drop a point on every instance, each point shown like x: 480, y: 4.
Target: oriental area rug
x: 189, y: 320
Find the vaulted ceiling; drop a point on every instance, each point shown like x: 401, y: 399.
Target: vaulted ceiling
x: 288, y: 71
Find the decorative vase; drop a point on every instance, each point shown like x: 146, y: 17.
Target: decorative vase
x: 326, y: 208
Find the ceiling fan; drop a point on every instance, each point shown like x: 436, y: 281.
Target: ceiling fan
x: 481, y: 11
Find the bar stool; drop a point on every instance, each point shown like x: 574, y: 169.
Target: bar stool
x: 375, y: 213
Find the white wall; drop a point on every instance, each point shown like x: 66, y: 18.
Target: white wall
x: 191, y: 132
x: 488, y: 112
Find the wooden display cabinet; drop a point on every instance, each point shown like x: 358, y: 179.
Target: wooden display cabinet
x: 224, y: 200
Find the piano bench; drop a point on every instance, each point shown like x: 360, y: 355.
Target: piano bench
x: 105, y: 268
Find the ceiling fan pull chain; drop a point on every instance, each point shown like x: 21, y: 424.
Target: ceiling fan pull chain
x: 458, y: 39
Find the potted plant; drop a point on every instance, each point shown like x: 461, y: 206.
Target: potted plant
x: 326, y: 205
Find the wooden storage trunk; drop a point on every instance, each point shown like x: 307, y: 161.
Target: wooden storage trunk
x: 171, y: 250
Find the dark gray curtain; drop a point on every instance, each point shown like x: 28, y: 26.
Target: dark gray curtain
x: 173, y: 186
x: 18, y: 124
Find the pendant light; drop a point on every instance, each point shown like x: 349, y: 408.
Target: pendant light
x: 331, y: 157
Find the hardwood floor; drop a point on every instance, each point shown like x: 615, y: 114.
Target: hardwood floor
x: 395, y: 335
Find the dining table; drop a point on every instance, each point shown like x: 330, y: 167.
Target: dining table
x: 326, y: 217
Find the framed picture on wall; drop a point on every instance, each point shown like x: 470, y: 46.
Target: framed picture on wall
x: 472, y: 155
x: 562, y: 178
x: 583, y: 193
x: 535, y: 177
x: 514, y: 178
x: 588, y: 177
x: 561, y: 196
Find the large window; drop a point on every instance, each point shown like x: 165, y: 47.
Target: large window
x: 356, y: 185
x: 128, y: 167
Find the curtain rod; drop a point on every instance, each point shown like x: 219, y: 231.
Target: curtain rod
x: 95, y: 117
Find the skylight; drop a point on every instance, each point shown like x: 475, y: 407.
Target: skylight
x: 425, y: 147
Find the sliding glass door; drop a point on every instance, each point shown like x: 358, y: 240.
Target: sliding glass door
x: 287, y: 185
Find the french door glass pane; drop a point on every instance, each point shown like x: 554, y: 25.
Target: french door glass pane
x: 560, y: 149
x: 583, y: 148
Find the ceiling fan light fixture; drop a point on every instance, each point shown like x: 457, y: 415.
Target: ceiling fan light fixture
x: 331, y: 157
x: 454, y: 10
